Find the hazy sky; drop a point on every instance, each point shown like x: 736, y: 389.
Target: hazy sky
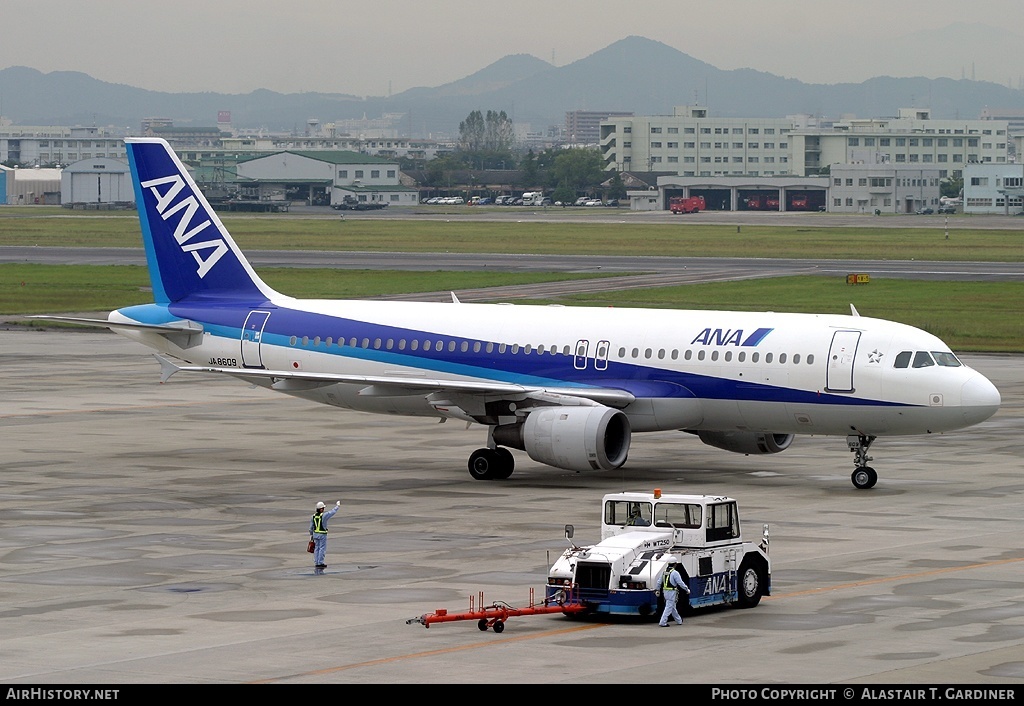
x: 387, y: 46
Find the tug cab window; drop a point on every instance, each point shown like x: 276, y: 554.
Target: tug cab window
x: 723, y: 522
x: 678, y: 515
x: 627, y: 513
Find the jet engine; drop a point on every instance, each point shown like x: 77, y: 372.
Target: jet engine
x: 575, y: 438
x: 746, y: 442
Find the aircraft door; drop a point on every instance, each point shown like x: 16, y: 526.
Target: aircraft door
x: 580, y: 359
x: 601, y: 355
x: 840, y: 361
x: 252, y: 334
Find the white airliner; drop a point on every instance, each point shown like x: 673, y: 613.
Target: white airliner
x: 567, y: 385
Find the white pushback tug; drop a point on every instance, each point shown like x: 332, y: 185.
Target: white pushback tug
x: 644, y: 533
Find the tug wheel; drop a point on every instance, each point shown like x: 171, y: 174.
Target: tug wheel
x: 751, y: 584
x: 499, y: 626
x: 482, y: 624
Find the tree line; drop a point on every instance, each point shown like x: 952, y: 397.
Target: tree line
x: 487, y: 144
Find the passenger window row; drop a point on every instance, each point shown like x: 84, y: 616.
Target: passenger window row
x: 428, y: 344
x: 715, y: 355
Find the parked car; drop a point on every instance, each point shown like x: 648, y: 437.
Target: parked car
x: 350, y: 203
x: 947, y: 209
x: 925, y: 211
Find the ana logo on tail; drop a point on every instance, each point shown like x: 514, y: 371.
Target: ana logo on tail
x: 183, y: 233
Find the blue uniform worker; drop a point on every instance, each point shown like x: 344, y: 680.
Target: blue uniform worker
x: 318, y: 533
x: 672, y: 585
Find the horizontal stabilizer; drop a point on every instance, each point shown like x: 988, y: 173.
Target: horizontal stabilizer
x: 176, y: 327
x: 184, y: 334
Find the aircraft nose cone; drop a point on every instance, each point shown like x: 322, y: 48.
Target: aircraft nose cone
x: 979, y: 398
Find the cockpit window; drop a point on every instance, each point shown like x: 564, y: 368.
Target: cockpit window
x: 922, y: 359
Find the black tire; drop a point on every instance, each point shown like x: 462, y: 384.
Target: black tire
x: 483, y: 464
x: 499, y: 626
x: 864, y: 478
x: 751, y: 581
x: 482, y: 624
x: 506, y: 463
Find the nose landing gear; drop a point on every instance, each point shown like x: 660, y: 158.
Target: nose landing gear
x: 864, y: 476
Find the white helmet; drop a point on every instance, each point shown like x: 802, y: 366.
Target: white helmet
x: 320, y: 506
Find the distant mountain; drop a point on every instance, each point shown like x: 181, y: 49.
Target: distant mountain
x: 634, y: 74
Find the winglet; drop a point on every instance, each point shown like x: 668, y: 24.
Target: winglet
x: 455, y: 299
x: 853, y: 310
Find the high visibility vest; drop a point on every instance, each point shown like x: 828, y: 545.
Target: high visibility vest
x: 666, y: 581
x: 317, y: 527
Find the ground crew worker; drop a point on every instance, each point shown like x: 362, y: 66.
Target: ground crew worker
x: 635, y: 518
x: 318, y: 533
x: 672, y: 586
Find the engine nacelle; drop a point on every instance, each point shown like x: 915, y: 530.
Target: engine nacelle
x: 575, y: 438
x: 746, y: 442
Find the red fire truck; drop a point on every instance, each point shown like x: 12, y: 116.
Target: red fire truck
x: 686, y: 204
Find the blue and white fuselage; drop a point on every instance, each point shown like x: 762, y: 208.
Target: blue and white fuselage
x: 568, y: 385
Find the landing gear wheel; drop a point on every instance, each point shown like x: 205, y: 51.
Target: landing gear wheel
x: 491, y: 464
x: 751, y: 584
x: 483, y: 464
x: 506, y: 463
x: 864, y: 478
x: 499, y: 626
x: 482, y: 624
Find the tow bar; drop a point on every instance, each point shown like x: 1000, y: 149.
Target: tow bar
x: 495, y: 615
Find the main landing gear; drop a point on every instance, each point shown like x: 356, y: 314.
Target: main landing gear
x: 864, y: 476
x: 491, y: 464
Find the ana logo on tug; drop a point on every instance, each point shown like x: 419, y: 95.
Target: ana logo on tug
x: 185, y: 231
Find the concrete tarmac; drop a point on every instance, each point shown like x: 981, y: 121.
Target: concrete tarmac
x: 155, y: 534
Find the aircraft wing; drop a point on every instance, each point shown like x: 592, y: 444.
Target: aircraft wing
x: 397, y: 385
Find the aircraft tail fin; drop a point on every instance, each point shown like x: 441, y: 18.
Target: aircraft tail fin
x: 189, y: 251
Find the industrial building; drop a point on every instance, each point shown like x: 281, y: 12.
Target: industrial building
x: 994, y: 188
x: 325, y: 178
x: 99, y: 183
x: 892, y: 165
x: 583, y: 127
x: 691, y: 143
